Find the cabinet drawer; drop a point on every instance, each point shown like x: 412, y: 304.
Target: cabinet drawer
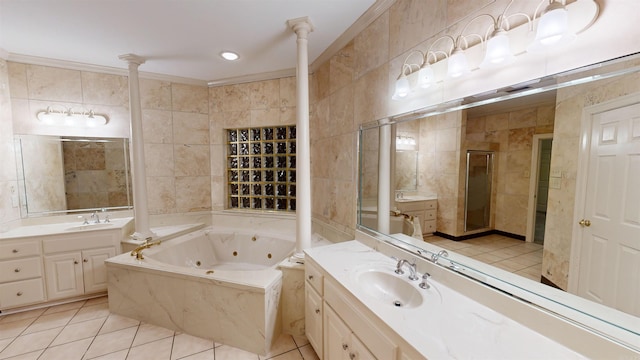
x: 431, y: 204
x: 78, y: 242
x: 21, y: 293
x: 14, y: 250
x: 20, y: 269
x: 429, y: 215
x: 429, y: 226
x: 313, y: 276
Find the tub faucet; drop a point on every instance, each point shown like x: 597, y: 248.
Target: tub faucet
x: 412, y: 268
x: 137, y: 252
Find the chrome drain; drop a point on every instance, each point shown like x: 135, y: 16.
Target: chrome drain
x: 397, y: 303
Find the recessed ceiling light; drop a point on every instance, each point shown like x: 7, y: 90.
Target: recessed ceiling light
x: 229, y: 55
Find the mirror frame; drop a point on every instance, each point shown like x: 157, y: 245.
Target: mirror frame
x: 613, y: 324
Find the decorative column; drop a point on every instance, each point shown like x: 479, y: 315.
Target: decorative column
x: 384, y: 177
x: 138, y: 173
x: 302, y: 27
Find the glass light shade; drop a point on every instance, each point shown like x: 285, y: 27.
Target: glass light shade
x: 498, y: 51
x: 402, y: 88
x: 458, y: 64
x: 553, y: 28
x: 425, y: 76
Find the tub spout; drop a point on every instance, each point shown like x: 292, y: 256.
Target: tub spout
x: 137, y: 252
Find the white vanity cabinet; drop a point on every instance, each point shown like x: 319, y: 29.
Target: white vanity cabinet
x: 426, y: 210
x: 339, y: 327
x: 20, y: 273
x: 74, y: 265
x: 76, y: 273
x: 313, y: 308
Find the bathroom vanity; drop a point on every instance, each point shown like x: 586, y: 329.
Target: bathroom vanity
x: 424, y: 207
x: 51, y: 262
x: 357, y: 307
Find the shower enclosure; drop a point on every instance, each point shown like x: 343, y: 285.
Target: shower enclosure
x: 477, y: 204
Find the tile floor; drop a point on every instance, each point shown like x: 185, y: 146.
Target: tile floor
x: 86, y: 330
x: 509, y: 254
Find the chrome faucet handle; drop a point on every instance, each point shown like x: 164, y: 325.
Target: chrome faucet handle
x: 399, y: 270
x: 441, y: 253
x: 106, y: 219
x: 84, y: 219
x: 424, y: 284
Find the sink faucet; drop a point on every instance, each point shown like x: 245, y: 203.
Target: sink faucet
x: 412, y: 268
x: 441, y: 253
x: 95, y: 217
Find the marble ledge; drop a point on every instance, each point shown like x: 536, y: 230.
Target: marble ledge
x: 34, y: 229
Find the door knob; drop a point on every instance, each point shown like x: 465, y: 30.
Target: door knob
x: 584, y: 222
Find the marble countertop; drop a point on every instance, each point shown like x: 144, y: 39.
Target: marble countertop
x: 62, y: 228
x: 447, y: 324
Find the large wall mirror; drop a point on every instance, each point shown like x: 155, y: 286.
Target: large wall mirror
x: 62, y: 175
x: 572, y: 138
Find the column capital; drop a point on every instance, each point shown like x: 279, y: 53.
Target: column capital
x: 132, y: 59
x: 301, y: 23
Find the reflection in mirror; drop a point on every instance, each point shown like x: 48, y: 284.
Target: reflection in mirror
x: 478, y: 187
x: 60, y: 175
x: 597, y: 105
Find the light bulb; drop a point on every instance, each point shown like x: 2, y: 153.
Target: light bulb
x: 553, y: 28
x: 498, y: 50
x: 402, y: 88
x: 458, y: 64
x: 425, y: 76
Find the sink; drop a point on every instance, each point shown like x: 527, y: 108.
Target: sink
x: 410, y: 198
x: 89, y: 227
x: 389, y: 288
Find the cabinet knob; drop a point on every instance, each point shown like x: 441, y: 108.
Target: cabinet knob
x: 310, y: 277
x: 16, y: 270
x: 352, y: 356
x: 345, y: 346
x: 75, y: 262
x: 19, y: 293
x: 317, y: 311
x: 584, y: 222
x: 85, y: 260
x: 15, y: 251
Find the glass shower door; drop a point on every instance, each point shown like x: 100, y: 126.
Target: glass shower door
x: 477, y: 212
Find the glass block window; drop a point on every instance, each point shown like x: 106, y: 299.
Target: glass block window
x: 261, y: 168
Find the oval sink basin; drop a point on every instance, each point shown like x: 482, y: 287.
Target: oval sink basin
x: 389, y: 288
x: 89, y: 227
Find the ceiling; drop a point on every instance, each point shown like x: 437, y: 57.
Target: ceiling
x: 176, y: 37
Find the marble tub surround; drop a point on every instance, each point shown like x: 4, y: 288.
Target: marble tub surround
x: 196, y: 284
x: 460, y: 318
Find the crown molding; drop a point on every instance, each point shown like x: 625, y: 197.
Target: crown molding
x: 71, y: 65
x: 253, y: 77
x: 369, y: 16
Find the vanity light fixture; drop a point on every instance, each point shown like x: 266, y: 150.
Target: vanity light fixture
x: 558, y: 24
x: 61, y: 116
x: 229, y: 55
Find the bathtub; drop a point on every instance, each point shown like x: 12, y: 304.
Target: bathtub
x: 218, y: 283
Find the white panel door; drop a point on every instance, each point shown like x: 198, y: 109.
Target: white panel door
x: 610, y: 251
x: 94, y: 269
x: 63, y: 274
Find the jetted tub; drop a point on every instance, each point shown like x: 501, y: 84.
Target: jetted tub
x: 216, y: 283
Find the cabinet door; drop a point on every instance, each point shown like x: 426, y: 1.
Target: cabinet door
x: 94, y: 269
x: 358, y: 351
x: 313, y: 318
x: 63, y: 275
x: 336, y: 336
